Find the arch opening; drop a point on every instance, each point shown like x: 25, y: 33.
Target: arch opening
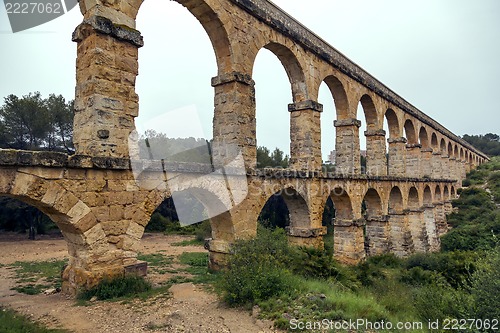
x: 423, y: 138
x: 277, y: 77
x: 329, y: 100
x: 369, y: 145
x: 174, y: 124
x: 410, y: 133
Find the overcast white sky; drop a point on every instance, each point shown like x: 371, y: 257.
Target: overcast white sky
x: 443, y: 56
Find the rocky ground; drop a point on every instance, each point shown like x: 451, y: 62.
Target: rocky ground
x: 187, y: 308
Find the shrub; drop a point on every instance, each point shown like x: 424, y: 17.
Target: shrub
x: 485, y: 287
x: 127, y: 285
x: 313, y: 263
x: 456, y: 267
x: 437, y: 301
x: 374, y: 268
x: 203, y: 230
x: 257, y: 269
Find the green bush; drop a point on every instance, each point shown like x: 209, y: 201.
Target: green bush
x: 456, y: 267
x: 375, y: 268
x: 437, y: 301
x: 314, y: 263
x: 128, y: 285
x: 203, y: 230
x: 485, y: 287
x: 257, y: 269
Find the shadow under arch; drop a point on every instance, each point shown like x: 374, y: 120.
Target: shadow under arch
x: 290, y: 207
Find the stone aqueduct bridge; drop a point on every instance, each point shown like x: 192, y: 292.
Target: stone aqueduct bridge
x: 102, y: 205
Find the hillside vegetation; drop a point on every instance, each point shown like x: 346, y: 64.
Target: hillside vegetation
x: 295, y: 285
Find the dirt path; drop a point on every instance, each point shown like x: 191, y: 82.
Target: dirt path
x: 188, y: 308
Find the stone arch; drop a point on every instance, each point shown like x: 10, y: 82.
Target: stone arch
x: 296, y: 204
x: 456, y: 152
x: 376, y: 230
x: 453, y: 192
x: 393, y: 122
x: 416, y: 222
x: 215, y: 210
x: 77, y: 221
x: 423, y: 138
x: 343, y: 204
x: 434, y: 142
x: 298, y: 208
x: 446, y: 193
x: 442, y: 146
x: 370, y: 112
x: 373, y: 203
x: 438, y: 196
x: 462, y: 155
x: 427, y: 195
x: 450, y: 149
x: 401, y: 238
x: 413, y: 198
x: 212, y: 23
x: 292, y: 67
x: 339, y: 96
x: 396, y: 201
x: 410, y: 133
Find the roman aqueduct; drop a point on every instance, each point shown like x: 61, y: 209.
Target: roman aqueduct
x: 102, y: 197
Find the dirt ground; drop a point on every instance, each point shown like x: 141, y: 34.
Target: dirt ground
x: 188, y: 308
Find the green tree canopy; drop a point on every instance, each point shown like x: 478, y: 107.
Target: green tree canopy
x: 34, y: 123
x: 268, y: 159
x: 488, y: 143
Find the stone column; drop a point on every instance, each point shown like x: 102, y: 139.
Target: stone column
x: 437, y: 166
x: 348, y: 241
x: 220, y: 252
x: 467, y: 167
x: 397, y: 157
x: 445, y: 167
x: 463, y: 168
x: 418, y: 230
x: 376, y: 161
x: 105, y: 101
x: 453, y: 168
x: 234, y: 126
x: 378, y: 235
x: 440, y: 217
x: 402, y: 243
x: 426, y: 163
x: 430, y: 226
x: 305, y: 135
x: 413, y: 164
x: 347, y: 147
x: 308, y: 237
